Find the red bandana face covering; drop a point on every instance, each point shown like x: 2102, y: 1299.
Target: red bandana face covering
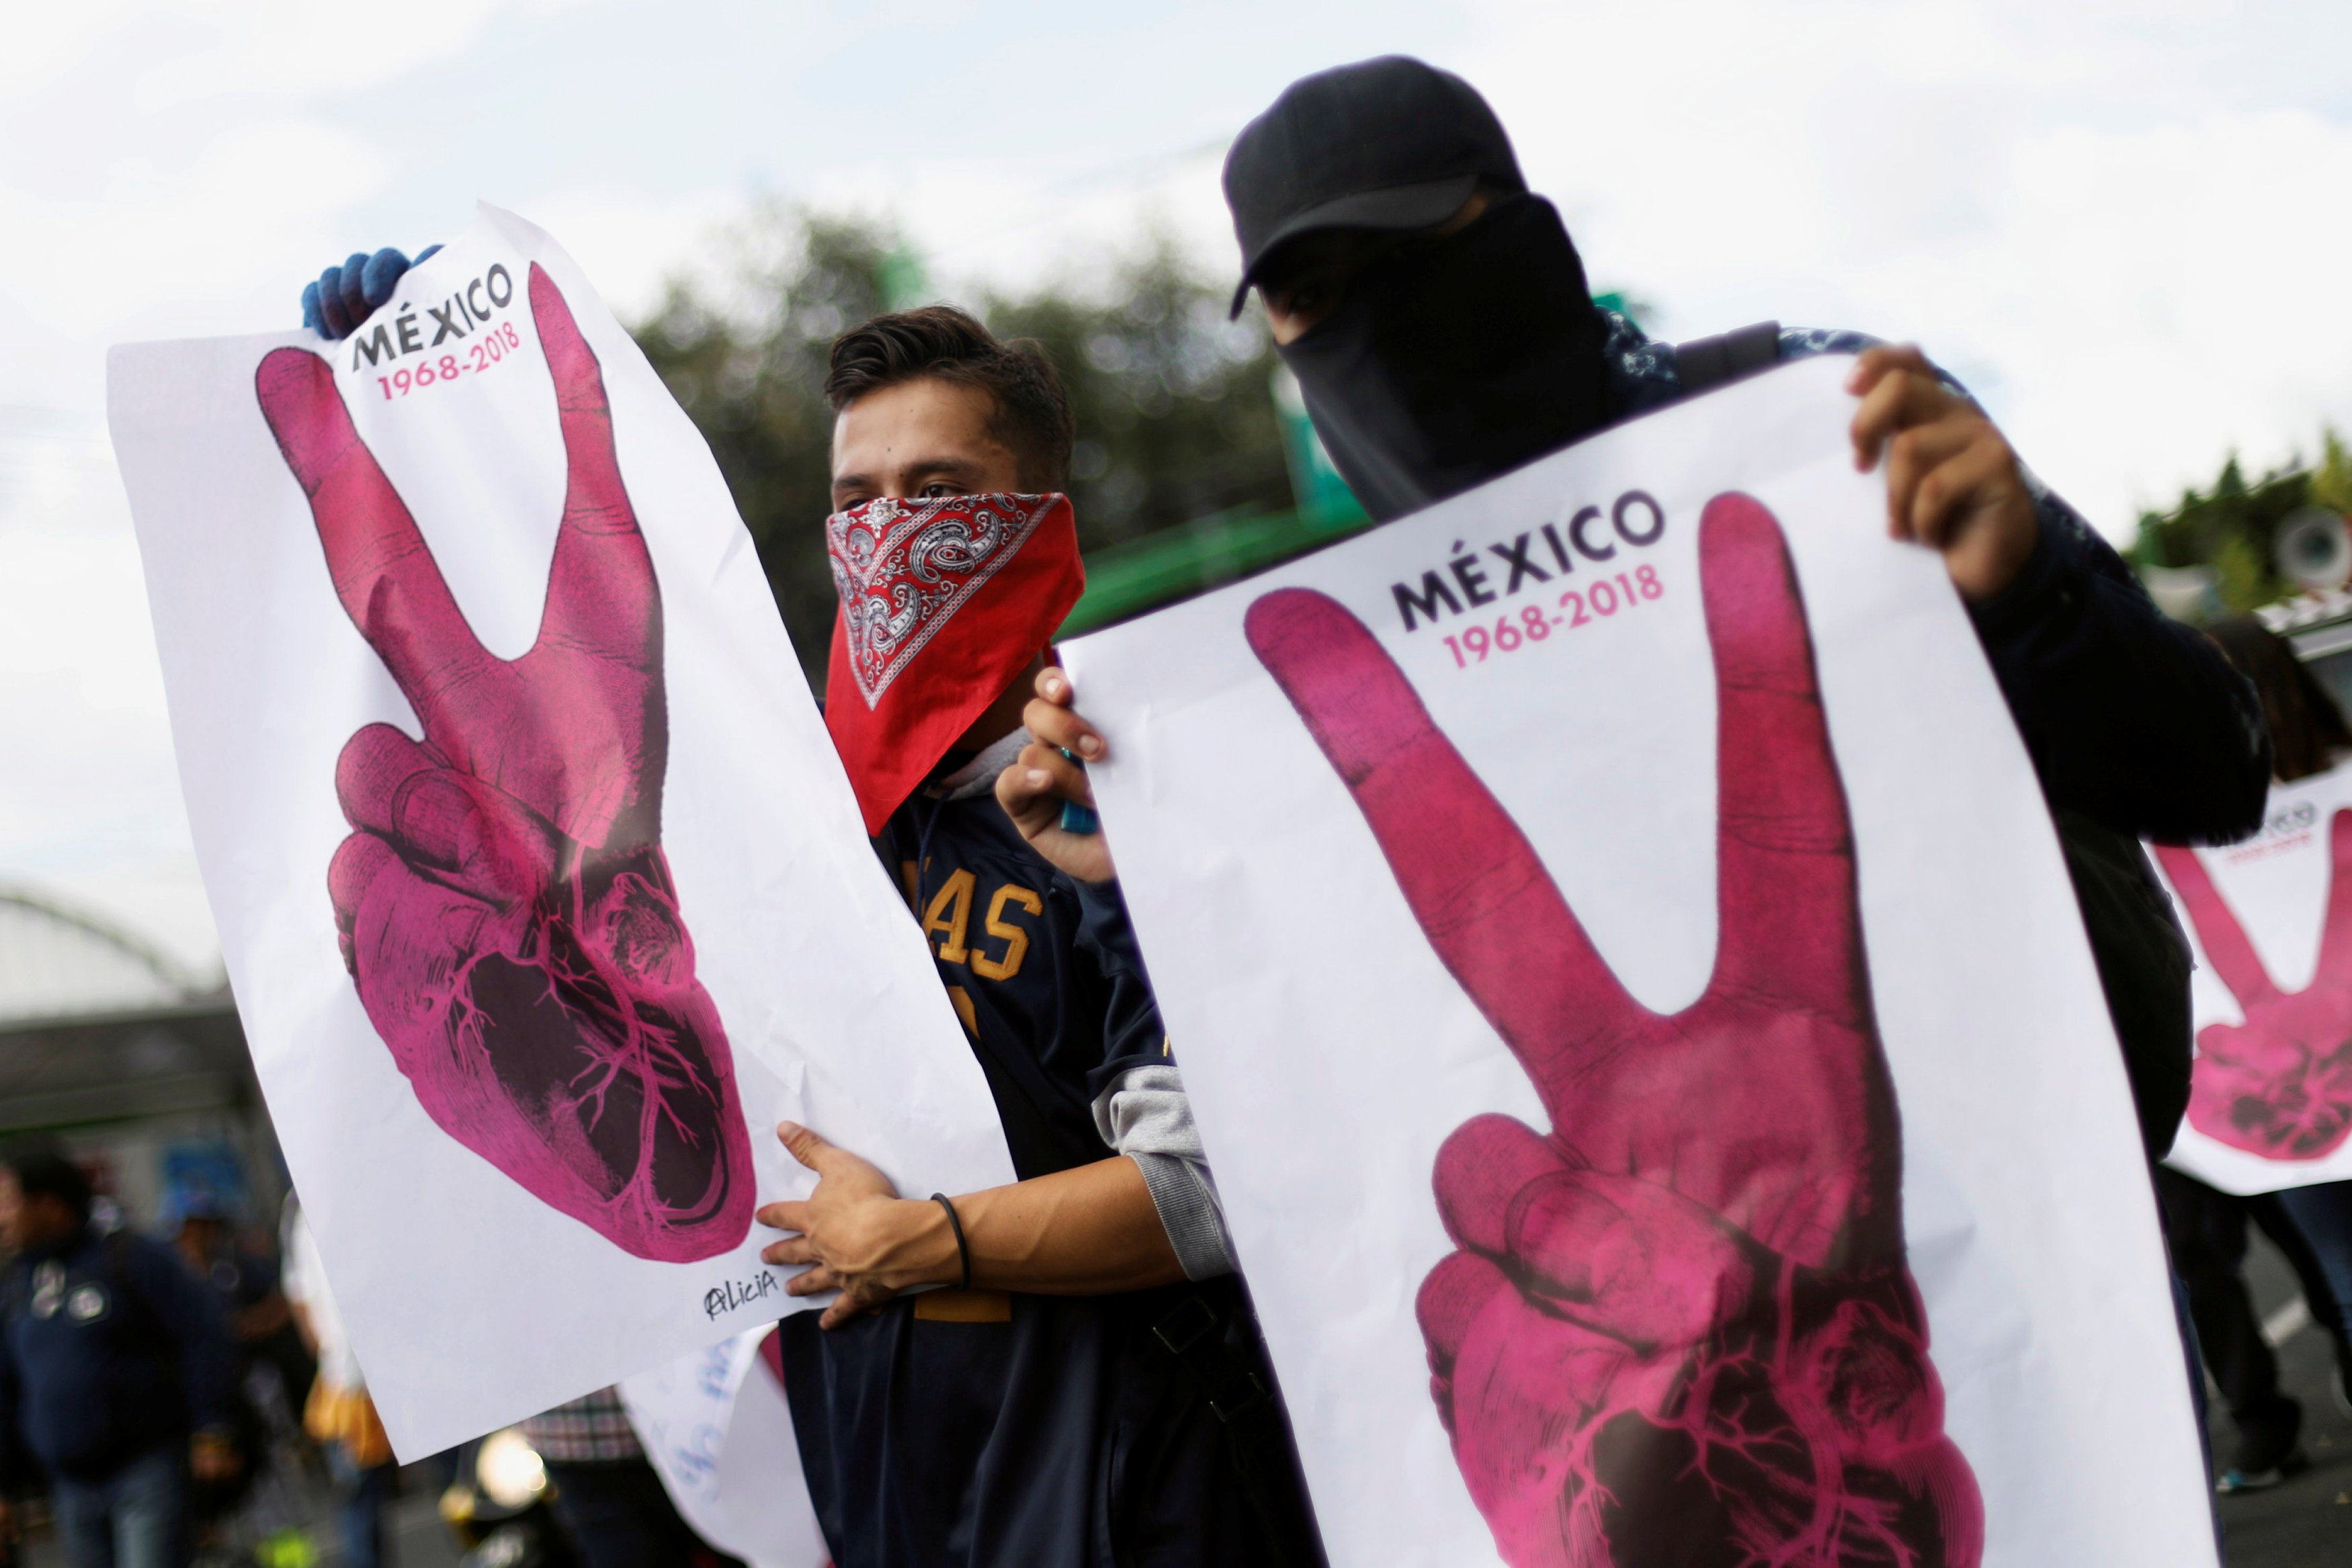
x: 942, y: 602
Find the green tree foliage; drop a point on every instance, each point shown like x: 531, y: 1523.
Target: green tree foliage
x: 1175, y: 416
x: 2228, y: 527
x: 746, y: 360
x: 1174, y: 406
x: 2331, y: 482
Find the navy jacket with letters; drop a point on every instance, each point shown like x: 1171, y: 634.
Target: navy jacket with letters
x: 1021, y: 1431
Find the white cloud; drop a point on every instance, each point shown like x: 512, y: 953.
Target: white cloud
x: 630, y: 242
x: 2112, y: 222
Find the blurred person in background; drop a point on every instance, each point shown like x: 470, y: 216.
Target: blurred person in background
x: 245, y: 1278
x: 244, y: 1283
x: 337, y: 1416
x: 117, y: 1374
x: 2310, y: 1224
x: 606, y: 1496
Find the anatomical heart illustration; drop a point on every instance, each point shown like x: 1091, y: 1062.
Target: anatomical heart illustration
x: 1679, y: 1326
x: 504, y: 903
x: 2278, y: 1084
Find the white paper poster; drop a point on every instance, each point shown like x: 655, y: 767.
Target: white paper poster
x: 541, y: 891
x: 716, y: 1425
x: 1629, y: 1168
x: 2270, y: 1095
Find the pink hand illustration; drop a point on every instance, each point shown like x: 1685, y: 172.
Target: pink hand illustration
x: 2279, y: 1084
x: 505, y: 907
x: 1679, y: 1328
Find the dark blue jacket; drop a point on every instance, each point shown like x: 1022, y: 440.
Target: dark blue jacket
x: 108, y: 1349
x: 2137, y: 724
x: 2132, y: 719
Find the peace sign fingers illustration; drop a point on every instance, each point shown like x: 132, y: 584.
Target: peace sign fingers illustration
x: 503, y: 902
x: 574, y: 728
x: 1684, y: 1316
x: 2278, y: 1084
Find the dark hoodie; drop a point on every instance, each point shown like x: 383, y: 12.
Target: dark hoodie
x: 1454, y: 360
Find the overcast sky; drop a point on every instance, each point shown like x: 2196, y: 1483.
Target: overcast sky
x: 2125, y: 225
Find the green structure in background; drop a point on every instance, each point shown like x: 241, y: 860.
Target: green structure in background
x: 901, y: 281
x: 1313, y: 478
x: 1625, y: 304
x: 1193, y: 557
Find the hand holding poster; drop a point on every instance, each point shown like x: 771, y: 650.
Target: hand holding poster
x: 1634, y: 857
x: 540, y: 889
x: 2270, y: 1094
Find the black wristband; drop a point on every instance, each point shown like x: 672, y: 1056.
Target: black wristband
x: 963, y: 1252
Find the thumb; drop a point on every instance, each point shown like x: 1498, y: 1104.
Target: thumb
x: 804, y: 1145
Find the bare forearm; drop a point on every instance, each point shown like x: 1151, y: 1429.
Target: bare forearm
x: 1091, y: 1232
x: 1088, y: 1231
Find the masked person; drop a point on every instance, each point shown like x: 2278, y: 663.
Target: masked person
x: 1437, y: 317
x: 1088, y: 1388
x: 1436, y: 314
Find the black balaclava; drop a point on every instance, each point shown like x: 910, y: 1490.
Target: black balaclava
x: 1453, y: 359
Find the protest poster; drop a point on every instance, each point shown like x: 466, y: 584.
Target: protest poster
x: 716, y: 1425
x: 2270, y: 923
x: 1639, y: 1019
x: 541, y: 890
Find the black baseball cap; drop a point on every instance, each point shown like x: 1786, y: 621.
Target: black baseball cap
x: 1387, y: 143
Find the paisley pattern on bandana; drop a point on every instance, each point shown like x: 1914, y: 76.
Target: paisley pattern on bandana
x: 903, y: 568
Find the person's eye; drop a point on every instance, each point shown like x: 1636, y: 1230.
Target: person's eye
x: 938, y: 489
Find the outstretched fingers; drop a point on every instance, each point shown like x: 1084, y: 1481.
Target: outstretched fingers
x: 382, y: 570
x: 1790, y: 934
x: 601, y: 594
x: 2218, y: 930
x: 1473, y: 881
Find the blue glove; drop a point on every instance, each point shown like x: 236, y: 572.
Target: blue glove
x: 347, y: 295
x: 1076, y: 818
